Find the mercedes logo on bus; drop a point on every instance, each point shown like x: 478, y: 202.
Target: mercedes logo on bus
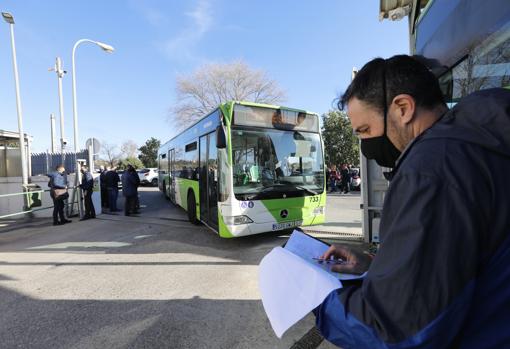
x: 284, y: 213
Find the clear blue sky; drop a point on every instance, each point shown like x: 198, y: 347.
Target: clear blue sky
x: 309, y: 47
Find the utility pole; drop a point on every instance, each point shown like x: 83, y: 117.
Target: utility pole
x: 52, y: 122
x: 60, y: 74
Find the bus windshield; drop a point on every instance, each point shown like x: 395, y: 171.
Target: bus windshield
x: 270, y: 164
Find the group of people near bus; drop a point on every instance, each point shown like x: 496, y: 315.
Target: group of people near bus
x: 109, y: 184
x: 338, y: 179
x: 110, y: 179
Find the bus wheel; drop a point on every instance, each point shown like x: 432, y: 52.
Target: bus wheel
x: 164, y: 191
x: 192, y: 208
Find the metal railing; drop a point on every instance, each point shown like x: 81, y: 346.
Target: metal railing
x: 68, y: 203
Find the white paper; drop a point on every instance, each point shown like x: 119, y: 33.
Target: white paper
x: 305, y: 246
x: 308, y: 248
x: 291, y: 288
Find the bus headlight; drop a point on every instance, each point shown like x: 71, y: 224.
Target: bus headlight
x: 237, y: 220
x: 319, y: 210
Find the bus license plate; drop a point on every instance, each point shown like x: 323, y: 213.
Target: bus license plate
x: 286, y: 225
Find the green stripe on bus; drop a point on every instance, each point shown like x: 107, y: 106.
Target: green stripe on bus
x: 222, y: 228
x: 183, y: 186
x: 300, y: 208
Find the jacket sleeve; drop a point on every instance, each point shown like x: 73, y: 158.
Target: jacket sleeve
x: 420, y: 285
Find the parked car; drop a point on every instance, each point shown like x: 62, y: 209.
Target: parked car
x: 355, y: 179
x: 120, y: 173
x: 148, y: 176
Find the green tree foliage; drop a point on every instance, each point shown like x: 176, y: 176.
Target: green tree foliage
x: 149, y: 152
x: 341, y: 145
x: 135, y: 162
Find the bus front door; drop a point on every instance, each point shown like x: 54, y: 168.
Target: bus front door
x: 209, y: 180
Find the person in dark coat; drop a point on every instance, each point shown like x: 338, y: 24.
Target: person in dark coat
x: 104, y: 190
x: 441, y: 277
x: 58, y: 193
x: 112, y: 180
x: 130, y: 184
x: 87, y: 185
x: 345, y: 178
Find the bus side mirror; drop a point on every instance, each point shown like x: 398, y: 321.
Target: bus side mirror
x: 221, y: 140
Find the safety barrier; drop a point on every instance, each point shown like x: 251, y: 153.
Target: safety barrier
x: 33, y: 201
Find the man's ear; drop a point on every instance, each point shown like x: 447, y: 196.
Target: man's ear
x: 404, y: 108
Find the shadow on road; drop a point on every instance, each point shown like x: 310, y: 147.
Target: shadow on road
x: 186, y: 323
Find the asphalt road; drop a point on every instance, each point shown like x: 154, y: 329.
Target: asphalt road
x: 152, y: 281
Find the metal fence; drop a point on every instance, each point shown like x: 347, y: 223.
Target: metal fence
x: 43, y: 163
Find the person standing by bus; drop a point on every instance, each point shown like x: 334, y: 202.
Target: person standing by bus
x: 104, y: 190
x: 87, y: 185
x: 112, y: 180
x: 345, y: 179
x: 58, y: 193
x: 130, y: 184
x: 334, y: 176
x: 441, y: 277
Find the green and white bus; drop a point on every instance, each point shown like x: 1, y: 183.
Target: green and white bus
x: 247, y: 168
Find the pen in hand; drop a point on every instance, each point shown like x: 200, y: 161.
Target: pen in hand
x: 330, y: 261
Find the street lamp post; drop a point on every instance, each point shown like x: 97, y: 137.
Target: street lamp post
x: 24, y: 172
x: 109, y: 49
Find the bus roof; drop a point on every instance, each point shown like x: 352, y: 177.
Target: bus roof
x: 262, y: 105
x: 231, y: 104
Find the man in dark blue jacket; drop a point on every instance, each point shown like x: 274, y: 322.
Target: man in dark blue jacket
x: 112, y: 180
x: 58, y: 193
x: 441, y: 278
x: 87, y: 185
x: 130, y: 184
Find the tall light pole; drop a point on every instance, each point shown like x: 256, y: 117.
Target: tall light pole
x: 60, y: 74
x: 24, y: 172
x: 109, y: 49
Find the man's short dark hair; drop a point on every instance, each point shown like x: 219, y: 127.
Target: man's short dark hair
x: 402, y: 75
x: 59, y: 167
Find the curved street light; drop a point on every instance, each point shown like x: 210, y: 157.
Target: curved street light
x: 108, y: 49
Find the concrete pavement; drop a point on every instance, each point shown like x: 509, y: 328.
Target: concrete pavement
x: 152, y: 281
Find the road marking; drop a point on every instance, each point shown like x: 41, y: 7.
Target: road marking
x: 82, y: 244
x: 141, y: 236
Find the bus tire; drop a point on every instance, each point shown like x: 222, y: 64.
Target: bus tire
x: 165, y: 192
x: 192, y: 208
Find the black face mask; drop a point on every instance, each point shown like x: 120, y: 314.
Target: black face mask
x: 380, y: 148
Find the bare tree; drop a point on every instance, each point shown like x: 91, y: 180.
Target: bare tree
x: 129, y: 149
x: 110, y: 153
x: 213, y: 84
x: 481, y: 70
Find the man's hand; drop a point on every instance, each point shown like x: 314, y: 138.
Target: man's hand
x: 355, y: 262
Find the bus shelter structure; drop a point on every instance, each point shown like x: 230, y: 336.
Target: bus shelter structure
x: 10, y: 154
